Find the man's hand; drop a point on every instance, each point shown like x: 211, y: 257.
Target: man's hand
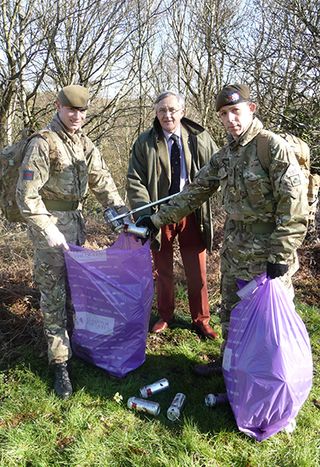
x: 145, y: 221
x: 55, y: 238
x: 276, y: 270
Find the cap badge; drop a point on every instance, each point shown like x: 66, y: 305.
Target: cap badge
x: 234, y: 97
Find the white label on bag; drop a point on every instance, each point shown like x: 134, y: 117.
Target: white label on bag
x: 98, y: 324
x: 226, y: 362
x: 88, y: 256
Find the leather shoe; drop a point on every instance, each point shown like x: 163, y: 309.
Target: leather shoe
x: 160, y: 326
x: 205, y: 330
x: 209, y: 369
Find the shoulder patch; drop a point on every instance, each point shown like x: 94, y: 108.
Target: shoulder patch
x: 295, y: 180
x: 27, y: 174
x: 294, y: 174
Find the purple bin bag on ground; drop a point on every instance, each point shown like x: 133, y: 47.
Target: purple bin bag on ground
x: 267, y: 362
x: 112, y: 293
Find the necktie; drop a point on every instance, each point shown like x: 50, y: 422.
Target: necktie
x: 175, y: 166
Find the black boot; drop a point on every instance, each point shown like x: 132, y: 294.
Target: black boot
x: 62, y: 383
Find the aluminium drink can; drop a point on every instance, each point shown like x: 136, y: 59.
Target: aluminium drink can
x: 150, y: 389
x: 142, y: 405
x: 211, y: 400
x: 173, y: 412
x: 141, y: 232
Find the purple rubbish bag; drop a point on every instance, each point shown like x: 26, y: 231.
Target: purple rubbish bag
x: 112, y: 292
x: 267, y: 362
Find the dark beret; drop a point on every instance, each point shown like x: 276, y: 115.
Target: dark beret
x: 74, y: 96
x: 232, y: 94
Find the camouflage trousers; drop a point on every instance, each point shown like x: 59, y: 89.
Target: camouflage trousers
x: 243, y: 256
x: 51, y: 278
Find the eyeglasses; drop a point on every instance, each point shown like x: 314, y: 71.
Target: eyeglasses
x: 164, y: 111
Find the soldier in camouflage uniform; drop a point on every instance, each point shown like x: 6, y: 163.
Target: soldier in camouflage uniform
x: 266, y: 211
x: 59, y: 166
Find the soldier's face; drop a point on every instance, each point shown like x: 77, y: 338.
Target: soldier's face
x: 169, y: 113
x: 237, y: 118
x: 71, y: 117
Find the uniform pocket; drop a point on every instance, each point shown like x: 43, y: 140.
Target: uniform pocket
x: 257, y: 187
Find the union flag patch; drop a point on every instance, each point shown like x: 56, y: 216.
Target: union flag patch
x: 27, y: 174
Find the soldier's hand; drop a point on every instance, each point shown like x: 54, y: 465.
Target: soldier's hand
x: 55, y: 238
x: 276, y: 270
x: 145, y: 221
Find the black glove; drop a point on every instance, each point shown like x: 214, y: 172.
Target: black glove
x: 145, y: 221
x: 276, y: 270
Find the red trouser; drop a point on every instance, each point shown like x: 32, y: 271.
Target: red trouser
x: 193, y: 255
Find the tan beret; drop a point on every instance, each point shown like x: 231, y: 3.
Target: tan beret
x: 74, y: 96
x: 232, y: 94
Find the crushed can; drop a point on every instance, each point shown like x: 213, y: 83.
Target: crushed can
x: 142, y: 405
x: 154, y: 388
x: 173, y: 412
x: 212, y: 400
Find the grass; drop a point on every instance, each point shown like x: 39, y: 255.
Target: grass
x: 95, y: 427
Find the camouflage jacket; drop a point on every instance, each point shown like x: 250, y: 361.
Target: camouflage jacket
x: 149, y: 173
x: 250, y: 194
x: 63, y: 174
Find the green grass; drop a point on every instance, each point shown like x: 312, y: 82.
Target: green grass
x: 92, y: 428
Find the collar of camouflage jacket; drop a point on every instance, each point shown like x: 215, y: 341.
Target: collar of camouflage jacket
x: 252, y: 131
x: 57, y: 126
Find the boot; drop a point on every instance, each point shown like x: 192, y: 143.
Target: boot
x: 62, y: 383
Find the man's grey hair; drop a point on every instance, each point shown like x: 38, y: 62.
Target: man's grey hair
x: 164, y: 94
